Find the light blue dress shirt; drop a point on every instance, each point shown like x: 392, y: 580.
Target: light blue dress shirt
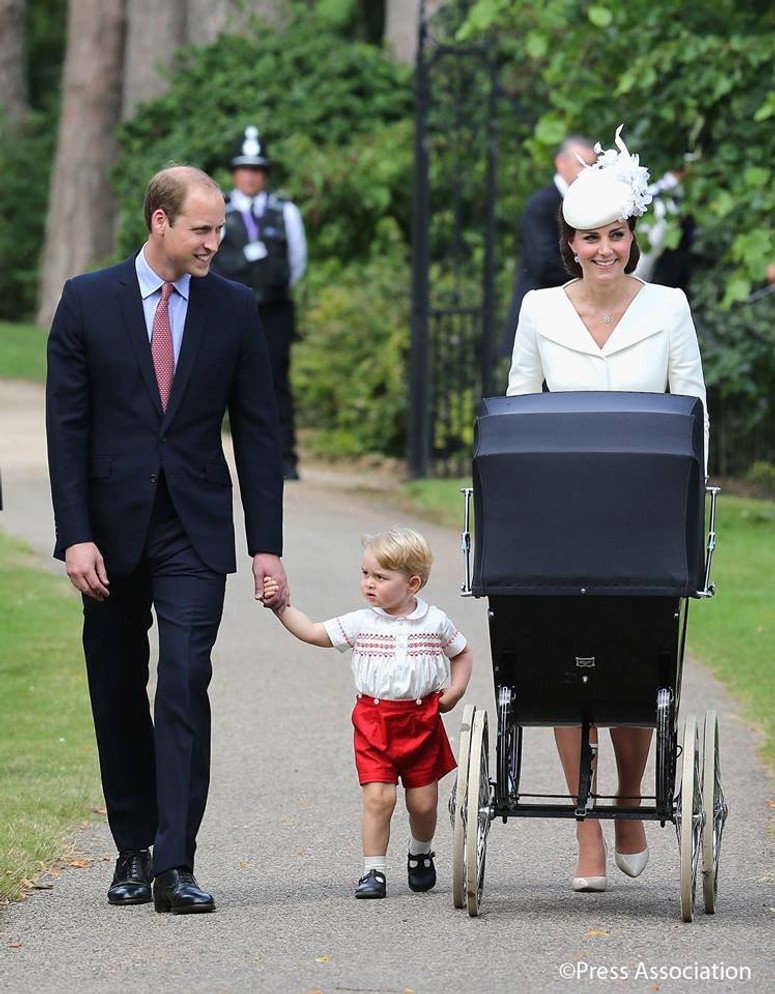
x: 150, y: 291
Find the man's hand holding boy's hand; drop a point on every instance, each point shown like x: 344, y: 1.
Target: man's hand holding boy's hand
x: 270, y: 592
x: 270, y: 568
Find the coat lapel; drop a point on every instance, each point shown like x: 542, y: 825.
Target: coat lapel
x: 131, y: 306
x: 567, y: 328
x: 633, y: 328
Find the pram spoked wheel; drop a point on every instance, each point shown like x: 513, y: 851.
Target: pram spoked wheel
x: 457, y: 809
x: 715, y: 811
x: 690, y: 815
x: 477, y: 812
x: 666, y: 746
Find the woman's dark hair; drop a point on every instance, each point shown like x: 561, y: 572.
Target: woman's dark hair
x: 573, y: 267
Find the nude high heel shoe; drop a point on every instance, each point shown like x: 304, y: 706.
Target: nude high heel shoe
x: 632, y: 863
x: 592, y: 884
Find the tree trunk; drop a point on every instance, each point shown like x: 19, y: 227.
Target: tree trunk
x: 401, y: 28
x: 14, y: 92
x: 209, y: 18
x: 155, y: 31
x: 401, y: 25
x: 79, y: 227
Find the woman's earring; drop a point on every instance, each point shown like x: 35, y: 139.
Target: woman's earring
x: 575, y: 258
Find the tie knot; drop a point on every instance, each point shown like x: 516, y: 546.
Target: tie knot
x: 166, y: 290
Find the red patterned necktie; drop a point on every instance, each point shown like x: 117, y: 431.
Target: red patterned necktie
x: 161, y: 345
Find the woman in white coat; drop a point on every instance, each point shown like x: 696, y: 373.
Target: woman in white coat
x: 606, y: 330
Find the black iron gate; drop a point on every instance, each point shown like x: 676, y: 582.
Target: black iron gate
x: 453, y: 277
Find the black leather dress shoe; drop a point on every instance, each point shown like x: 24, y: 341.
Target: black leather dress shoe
x: 132, y: 879
x: 177, y: 891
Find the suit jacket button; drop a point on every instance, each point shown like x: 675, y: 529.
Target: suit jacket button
x: 153, y: 478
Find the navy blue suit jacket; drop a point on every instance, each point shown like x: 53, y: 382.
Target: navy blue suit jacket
x: 540, y: 263
x: 109, y: 441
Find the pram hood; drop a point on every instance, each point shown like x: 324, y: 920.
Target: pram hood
x: 589, y: 493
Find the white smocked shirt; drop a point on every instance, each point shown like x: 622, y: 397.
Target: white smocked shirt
x: 398, y: 658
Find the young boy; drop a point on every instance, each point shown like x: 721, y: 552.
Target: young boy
x: 410, y: 665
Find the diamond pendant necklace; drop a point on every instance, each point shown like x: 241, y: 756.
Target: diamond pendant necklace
x: 606, y: 318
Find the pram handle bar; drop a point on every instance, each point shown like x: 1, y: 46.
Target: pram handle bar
x: 709, y: 588
x: 465, y: 543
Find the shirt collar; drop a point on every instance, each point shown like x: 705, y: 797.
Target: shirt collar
x: 150, y: 282
x: 561, y: 185
x: 421, y: 609
x: 242, y: 202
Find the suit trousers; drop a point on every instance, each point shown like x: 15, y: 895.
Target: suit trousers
x: 155, y: 773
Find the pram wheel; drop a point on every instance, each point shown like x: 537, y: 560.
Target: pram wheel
x: 457, y: 809
x: 477, y: 812
x: 665, y: 751
x: 689, y: 816
x: 508, y: 752
x: 715, y: 811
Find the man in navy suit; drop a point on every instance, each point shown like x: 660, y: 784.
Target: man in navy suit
x: 142, y: 500
x: 540, y: 264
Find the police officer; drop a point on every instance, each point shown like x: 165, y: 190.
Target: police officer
x: 264, y: 246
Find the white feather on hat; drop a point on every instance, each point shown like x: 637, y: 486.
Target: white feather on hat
x: 615, y: 188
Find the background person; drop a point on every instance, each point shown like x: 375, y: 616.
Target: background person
x: 540, y: 263
x: 658, y: 263
x: 264, y: 247
x: 410, y: 665
x: 607, y: 330
x: 144, y: 359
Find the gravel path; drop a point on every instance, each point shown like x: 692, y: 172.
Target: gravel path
x: 280, y: 843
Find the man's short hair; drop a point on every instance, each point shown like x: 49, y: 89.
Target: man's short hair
x: 168, y: 189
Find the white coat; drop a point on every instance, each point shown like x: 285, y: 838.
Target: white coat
x: 654, y: 346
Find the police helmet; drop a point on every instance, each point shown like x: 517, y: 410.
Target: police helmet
x: 251, y: 151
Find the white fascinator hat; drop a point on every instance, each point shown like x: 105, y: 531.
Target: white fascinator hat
x: 614, y: 188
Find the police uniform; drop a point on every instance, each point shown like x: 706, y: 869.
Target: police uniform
x: 264, y: 247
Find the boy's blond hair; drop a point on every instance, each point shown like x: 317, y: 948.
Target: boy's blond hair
x: 403, y: 550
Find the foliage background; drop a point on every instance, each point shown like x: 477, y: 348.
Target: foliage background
x: 337, y: 113
x: 336, y: 116
x: 696, y: 80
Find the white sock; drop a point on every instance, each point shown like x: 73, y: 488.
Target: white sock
x: 374, y: 863
x: 417, y: 848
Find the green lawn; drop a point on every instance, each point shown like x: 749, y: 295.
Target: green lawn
x: 48, y: 766
x: 733, y: 632
x: 22, y: 352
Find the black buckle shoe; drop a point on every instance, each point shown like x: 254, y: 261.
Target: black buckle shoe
x: 177, y: 891
x: 421, y: 871
x: 132, y: 879
x: 373, y: 885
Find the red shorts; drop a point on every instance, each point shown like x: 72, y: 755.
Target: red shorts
x: 403, y: 739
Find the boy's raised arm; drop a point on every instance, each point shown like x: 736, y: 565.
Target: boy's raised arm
x: 297, y: 623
